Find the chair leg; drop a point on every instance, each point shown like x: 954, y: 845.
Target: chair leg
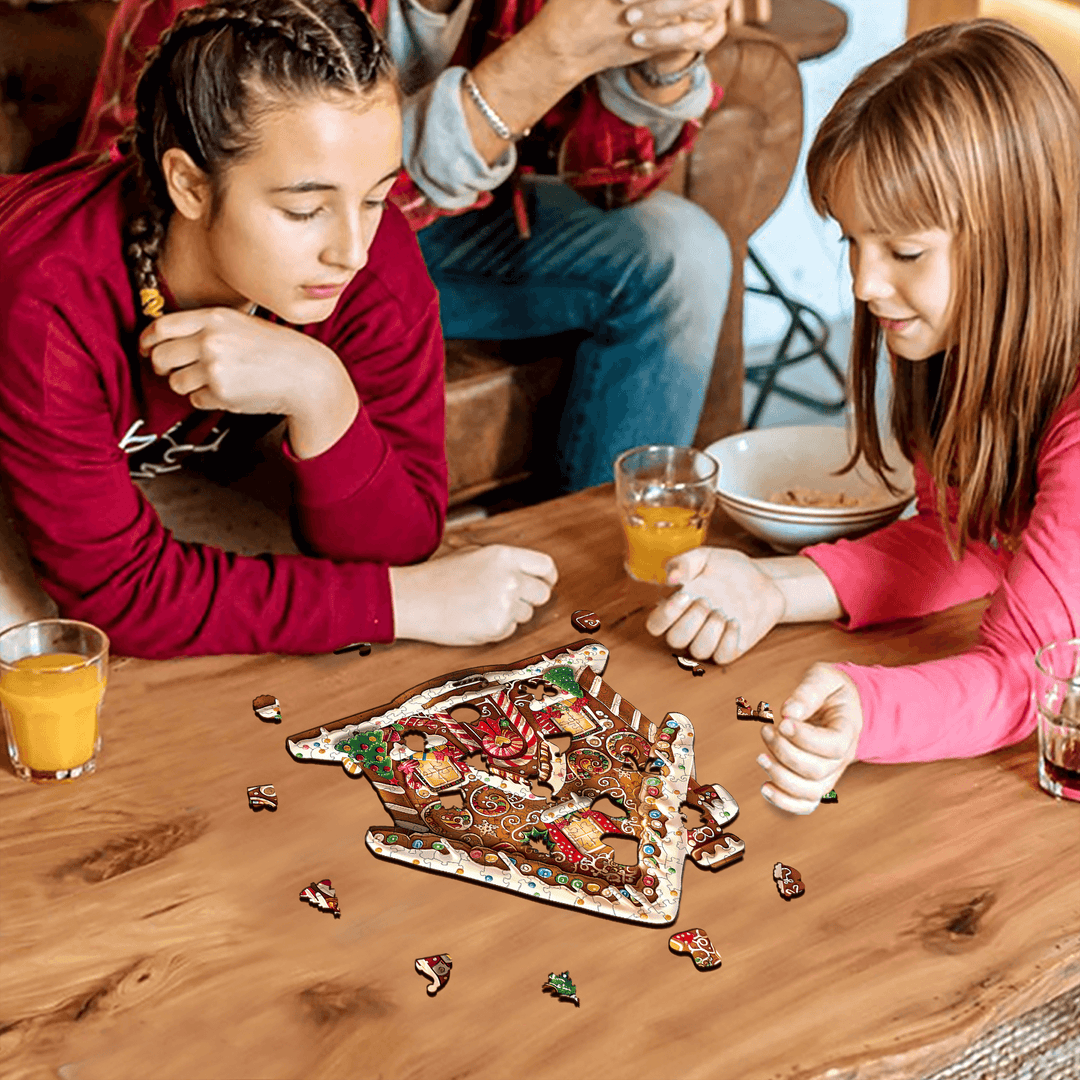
x: 765, y: 375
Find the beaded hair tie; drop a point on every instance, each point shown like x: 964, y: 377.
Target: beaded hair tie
x: 153, y: 303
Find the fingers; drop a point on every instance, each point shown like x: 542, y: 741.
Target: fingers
x: 180, y: 324
x: 533, y: 590
x: 666, y: 612
x: 688, y: 565
x: 539, y: 564
x: 662, y: 12
x: 684, y: 35
x: 730, y: 647
x: 174, y: 353
x: 688, y: 625
x: 819, y: 682
x: 708, y: 637
x: 789, y: 755
x: 792, y: 804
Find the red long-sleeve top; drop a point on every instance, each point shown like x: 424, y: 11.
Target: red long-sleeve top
x: 980, y: 700
x: 81, y: 412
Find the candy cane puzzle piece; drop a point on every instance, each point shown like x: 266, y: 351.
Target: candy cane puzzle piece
x: 490, y: 826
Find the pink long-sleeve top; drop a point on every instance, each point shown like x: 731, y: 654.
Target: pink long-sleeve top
x: 980, y: 700
x: 81, y: 413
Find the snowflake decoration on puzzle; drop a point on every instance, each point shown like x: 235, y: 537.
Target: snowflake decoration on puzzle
x: 489, y: 825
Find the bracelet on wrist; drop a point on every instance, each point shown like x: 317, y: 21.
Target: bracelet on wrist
x: 495, y: 121
x: 656, y: 78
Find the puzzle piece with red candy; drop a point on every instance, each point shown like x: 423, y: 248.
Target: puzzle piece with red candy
x: 437, y: 969
x: 696, y: 943
x: 788, y: 882
x: 320, y: 894
x: 460, y: 795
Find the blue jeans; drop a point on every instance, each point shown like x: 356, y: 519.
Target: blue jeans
x: 648, y: 283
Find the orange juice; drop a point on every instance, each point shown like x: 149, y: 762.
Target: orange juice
x: 53, y: 714
x: 663, y: 532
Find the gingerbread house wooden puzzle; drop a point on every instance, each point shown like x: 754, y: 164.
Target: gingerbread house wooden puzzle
x: 493, y: 774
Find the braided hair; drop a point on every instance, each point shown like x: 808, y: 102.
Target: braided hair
x: 199, y: 92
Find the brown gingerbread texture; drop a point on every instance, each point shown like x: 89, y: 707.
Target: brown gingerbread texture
x: 488, y: 825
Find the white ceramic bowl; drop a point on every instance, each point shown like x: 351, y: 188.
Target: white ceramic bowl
x: 756, y: 464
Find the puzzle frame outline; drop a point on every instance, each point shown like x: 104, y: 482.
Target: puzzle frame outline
x: 664, y: 840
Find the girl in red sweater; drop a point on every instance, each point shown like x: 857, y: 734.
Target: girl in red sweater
x: 238, y: 266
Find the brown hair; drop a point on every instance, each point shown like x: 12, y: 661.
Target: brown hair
x: 212, y: 74
x: 973, y: 129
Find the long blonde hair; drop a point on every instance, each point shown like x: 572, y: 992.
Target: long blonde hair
x: 970, y: 128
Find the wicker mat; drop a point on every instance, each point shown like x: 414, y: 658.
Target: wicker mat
x: 1043, y: 1044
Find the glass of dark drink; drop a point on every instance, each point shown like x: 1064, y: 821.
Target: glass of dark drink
x: 1057, y: 702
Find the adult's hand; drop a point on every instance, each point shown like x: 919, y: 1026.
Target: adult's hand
x: 726, y: 605
x: 674, y: 31
x: 588, y: 36
x: 814, y: 742
x: 473, y: 597
x: 220, y: 358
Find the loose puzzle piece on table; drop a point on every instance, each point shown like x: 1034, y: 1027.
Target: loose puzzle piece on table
x: 437, y: 969
x: 562, y: 987
x: 267, y: 708
x: 696, y: 943
x: 263, y: 797
x: 361, y: 648
x: 744, y: 712
x: 688, y: 663
x: 585, y: 621
x: 830, y: 796
x: 320, y: 894
x: 469, y: 768
x: 788, y: 882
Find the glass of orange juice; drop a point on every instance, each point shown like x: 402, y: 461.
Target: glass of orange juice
x: 52, y: 680
x: 666, y: 496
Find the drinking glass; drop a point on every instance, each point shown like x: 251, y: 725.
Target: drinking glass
x: 1057, y: 701
x: 52, y: 681
x: 666, y: 496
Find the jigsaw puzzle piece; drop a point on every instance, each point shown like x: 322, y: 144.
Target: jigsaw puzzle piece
x: 437, y: 969
x: 263, y: 797
x: 321, y: 894
x: 267, y: 708
x: 562, y: 987
x: 697, y: 945
x: 788, y: 882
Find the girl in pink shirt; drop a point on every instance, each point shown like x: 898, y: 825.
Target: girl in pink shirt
x: 239, y: 265
x: 953, y: 168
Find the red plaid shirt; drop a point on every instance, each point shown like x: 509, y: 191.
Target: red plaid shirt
x: 605, y: 158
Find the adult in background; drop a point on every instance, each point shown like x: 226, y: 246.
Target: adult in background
x: 605, y: 94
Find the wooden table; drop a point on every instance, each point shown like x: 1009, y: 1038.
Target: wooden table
x: 152, y: 928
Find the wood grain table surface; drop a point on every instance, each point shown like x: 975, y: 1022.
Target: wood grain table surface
x: 151, y: 926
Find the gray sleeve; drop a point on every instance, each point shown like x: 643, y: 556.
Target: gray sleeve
x: 438, y: 147
x: 664, y: 121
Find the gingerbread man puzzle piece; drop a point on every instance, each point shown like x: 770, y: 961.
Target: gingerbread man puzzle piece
x: 488, y: 824
x: 697, y: 945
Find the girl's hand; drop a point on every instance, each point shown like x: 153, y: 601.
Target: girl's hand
x: 473, y: 597
x: 814, y: 742
x: 726, y: 604
x: 220, y: 358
